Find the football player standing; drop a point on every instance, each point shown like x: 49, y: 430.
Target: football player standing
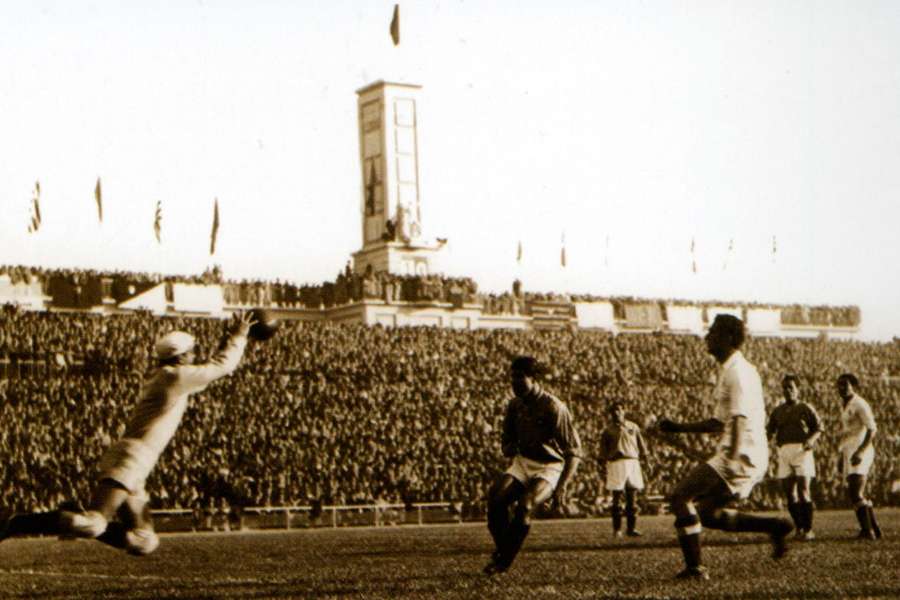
x: 796, y: 428
x: 621, y: 446
x: 857, y: 452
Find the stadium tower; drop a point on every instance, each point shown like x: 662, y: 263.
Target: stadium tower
x: 392, y: 237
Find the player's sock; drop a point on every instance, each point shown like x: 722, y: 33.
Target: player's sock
x: 732, y: 520
x: 796, y: 511
x: 862, y: 515
x: 515, y: 537
x: 498, y: 523
x: 689, y: 529
x: 875, y: 528
x: 616, y: 517
x: 631, y: 520
x: 114, y: 535
x: 808, y: 511
x: 43, y: 523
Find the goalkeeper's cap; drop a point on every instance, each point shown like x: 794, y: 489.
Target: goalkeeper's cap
x: 174, y: 343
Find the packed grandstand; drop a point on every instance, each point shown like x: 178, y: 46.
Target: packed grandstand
x: 350, y: 414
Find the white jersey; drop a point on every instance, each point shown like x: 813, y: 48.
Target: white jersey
x: 739, y: 393
x: 165, y: 395
x: 856, y: 419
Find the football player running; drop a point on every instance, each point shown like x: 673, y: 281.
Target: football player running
x: 742, y: 456
x: 539, y: 436
x: 123, y: 469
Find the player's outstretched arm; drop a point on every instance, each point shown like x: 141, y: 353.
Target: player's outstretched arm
x: 226, y: 358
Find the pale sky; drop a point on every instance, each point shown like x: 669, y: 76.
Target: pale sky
x: 631, y: 127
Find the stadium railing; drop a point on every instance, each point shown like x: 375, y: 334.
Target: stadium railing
x: 305, y: 517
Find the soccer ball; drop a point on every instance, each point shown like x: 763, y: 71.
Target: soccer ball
x: 265, y: 326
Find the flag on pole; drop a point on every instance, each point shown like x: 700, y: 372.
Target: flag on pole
x: 693, y: 258
x: 98, y: 195
x: 215, y: 228
x: 774, y: 248
x: 606, y: 253
x: 157, y: 222
x: 395, y: 25
x: 562, y: 252
x: 519, y: 253
x: 35, y: 222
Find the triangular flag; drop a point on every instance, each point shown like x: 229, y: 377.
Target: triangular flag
x: 395, y: 25
x: 157, y: 222
x: 215, y: 228
x: 98, y: 195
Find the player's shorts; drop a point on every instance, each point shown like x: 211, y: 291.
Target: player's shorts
x: 741, y: 476
x: 128, y: 462
x: 524, y: 470
x: 868, y: 457
x: 624, y: 472
x: 795, y: 461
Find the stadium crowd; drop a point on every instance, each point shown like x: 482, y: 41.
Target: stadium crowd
x: 342, y: 414
x: 84, y: 288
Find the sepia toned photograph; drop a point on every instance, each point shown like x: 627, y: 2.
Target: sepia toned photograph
x: 446, y: 299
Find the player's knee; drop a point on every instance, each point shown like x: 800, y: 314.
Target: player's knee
x: 141, y: 541
x: 89, y: 524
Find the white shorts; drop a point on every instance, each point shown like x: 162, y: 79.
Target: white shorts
x: 868, y: 457
x: 524, y: 470
x: 622, y: 472
x: 795, y: 461
x: 128, y: 462
x: 741, y: 477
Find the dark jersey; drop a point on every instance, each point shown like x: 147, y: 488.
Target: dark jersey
x: 793, y: 423
x: 540, y: 427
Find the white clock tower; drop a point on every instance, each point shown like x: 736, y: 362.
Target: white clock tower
x: 392, y: 237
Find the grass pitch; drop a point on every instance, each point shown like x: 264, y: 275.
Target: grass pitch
x: 561, y: 559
